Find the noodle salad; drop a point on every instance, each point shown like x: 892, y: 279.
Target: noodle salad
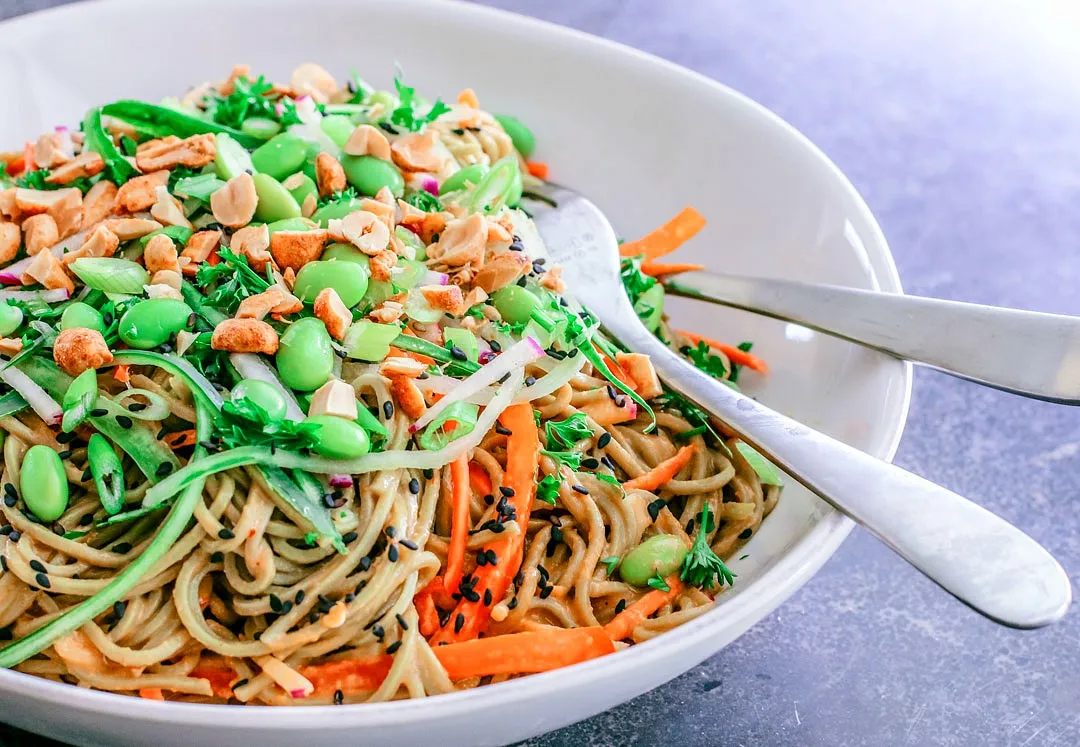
x: 296, y: 411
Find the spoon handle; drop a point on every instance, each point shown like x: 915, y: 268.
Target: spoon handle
x: 1024, y: 352
x: 978, y: 557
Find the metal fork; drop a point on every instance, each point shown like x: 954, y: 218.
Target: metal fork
x: 976, y: 556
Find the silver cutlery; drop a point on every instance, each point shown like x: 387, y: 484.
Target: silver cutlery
x: 973, y: 554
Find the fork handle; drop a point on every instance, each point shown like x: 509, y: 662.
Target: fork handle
x: 978, y: 557
x: 1024, y: 352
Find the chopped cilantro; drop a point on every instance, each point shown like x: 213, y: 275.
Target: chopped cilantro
x: 658, y: 582
x: 634, y: 280
x: 237, y: 280
x: 571, y: 459
x: 249, y: 98
x: 344, y: 195
x: 568, y: 432
x: 736, y: 368
x: 243, y: 422
x: 547, y: 490
x: 405, y: 115
x: 424, y: 200
x: 311, y: 538
x: 702, y: 567
x: 612, y: 562
x: 36, y: 180
x: 701, y: 356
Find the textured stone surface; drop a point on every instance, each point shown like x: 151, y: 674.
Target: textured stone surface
x: 959, y: 121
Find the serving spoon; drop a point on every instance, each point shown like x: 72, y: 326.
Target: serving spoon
x: 973, y: 554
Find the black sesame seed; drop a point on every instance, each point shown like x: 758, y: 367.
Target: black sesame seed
x: 226, y: 534
x: 365, y: 563
x: 745, y: 534
x: 655, y: 506
x: 6, y: 634
x: 378, y: 631
x: 3, y: 562
x: 607, y: 462
x: 459, y: 622
x: 530, y: 380
x: 98, y: 412
x: 275, y: 604
x: 137, y: 406
x: 540, y: 261
x: 240, y: 683
x: 502, y: 430
x: 507, y: 491
x: 9, y: 489
x: 620, y: 401
x: 487, y: 597
x: 414, y: 486
x: 393, y: 647
x: 387, y: 127
x: 349, y: 538
x: 512, y: 603
x: 690, y: 526
x: 494, y: 345
x: 300, y: 596
x: 10, y: 500
x: 391, y: 531
x: 590, y: 463
x: 409, y: 544
x: 620, y: 606
x: 124, y: 421
x: 6, y: 530
x: 457, y: 353
x: 43, y: 581
x: 217, y: 557
x: 349, y: 597
x: 556, y: 535
x: 286, y: 607
x: 401, y: 621
x: 458, y: 131
x: 521, y: 281
x: 86, y: 475
x: 118, y: 609
x: 37, y: 566
x: 489, y: 499
x: 428, y: 473
x: 163, y: 469
x: 392, y: 553
x: 122, y: 548
x: 65, y: 454
x: 15, y: 536
x: 579, y: 489
x: 388, y: 409
x: 339, y: 697
x: 610, y: 391
x: 65, y: 438
x: 481, y: 558
x: 546, y: 592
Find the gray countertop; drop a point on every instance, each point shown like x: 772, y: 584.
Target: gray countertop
x: 959, y: 121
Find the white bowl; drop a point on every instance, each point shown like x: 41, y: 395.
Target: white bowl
x: 642, y: 137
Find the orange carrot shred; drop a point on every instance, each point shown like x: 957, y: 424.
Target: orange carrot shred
x: 220, y: 679
x: 122, y: 373
x: 659, y: 269
x: 151, y: 693
x: 539, y: 169
x: 480, y: 479
x: 668, y: 237
x: 662, y: 472
x: 624, y: 623
x: 467, y: 97
x: 734, y: 354
x: 429, y: 616
x: 180, y: 439
x: 459, y: 524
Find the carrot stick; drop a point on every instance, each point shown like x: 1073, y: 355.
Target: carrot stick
x: 735, y: 355
x: 436, y: 589
x: 539, y: 169
x: 618, y: 371
x: 220, y: 679
x: 429, y: 616
x: 662, y: 472
x: 668, y: 237
x: 624, y: 623
x: 459, y: 525
x: 470, y: 618
x: 122, y: 373
x: 657, y: 269
x: 480, y: 479
x: 180, y: 439
x: 151, y: 693
x: 347, y: 675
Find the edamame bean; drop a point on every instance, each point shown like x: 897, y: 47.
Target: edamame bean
x: 280, y: 156
x: 80, y: 314
x: 231, y: 159
x: 370, y: 174
x: 260, y: 127
x: 263, y: 394
x: 468, y: 175
x: 305, y: 358
x: 43, y: 484
x: 11, y: 317
x: 340, y: 252
x: 515, y: 304
x: 306, y: 187
x: 339, y: 438
x: 153, y: 322
x: 290, y: 224
x: 275, y: 202
x: 387, y: 99
x: 660, y: 554
x: 337, y: 127
x: 349, y: 279
x: 520, y: 135
x: 324, y: 215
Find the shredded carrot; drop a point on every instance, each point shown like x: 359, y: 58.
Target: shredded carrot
x: 668, y: 237
x: 429, y: 616
x: 214, y: 258
x: 15, y: 166
x: 480, y: 479
x: 624, y: 623
x: 468, y: 98
x: 122, y: 373
x: 151, y: 693
x: 220, y: 679
x: 469, y: 619
x: 741, y: 357
x: 436, y: 589
x: 347, y: 675
x: 459, y: 523
x: 539, y: 169
x: 28, y: 157
x: 618, y: 371
x: 662, y: 472
x: 180, y: 439
x: 658, y: 269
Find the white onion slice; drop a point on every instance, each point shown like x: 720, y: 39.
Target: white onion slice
x: 559, y: 374
x: 516, y: 358
x: 47, y: 296
x: 434, y: 278
x: 11, y: 275
x: 44, y: 405
x: 251, y: 366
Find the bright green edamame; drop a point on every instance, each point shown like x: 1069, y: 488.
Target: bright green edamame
x: 280, y: 156
x: 339, y: 438
x: 660, y: 554
x: 385, y: 98
x: 370, y: 174
x: 349, y: 279
x: 11, y: 317
x: 650, y: 307
x: 468, y: 175
x: 522, y: 137
x: 263, y: 394
x: 231, y: 159
x: 337, y: 127
x: 515, y: 304
x: 304, y: 189
x: 275, y: 202
x: 290, y: 224
x: 153, y: 322
x: 260, y: 127
x: 80, y: 314
x: 325, y: 214
x: 43, y: 484
x: 305, y: 358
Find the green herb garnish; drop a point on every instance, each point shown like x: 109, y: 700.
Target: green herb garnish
x: 405, y: 115
x: 702, y: 567
x: 547, y: 490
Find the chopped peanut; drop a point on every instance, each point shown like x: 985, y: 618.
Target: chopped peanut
x: 501, y: 270
x: 245, y: 336
x: 366, y: 140
x: 99, y: 242
x: 84, y: 165
x: 160, y: 254
x: 332, y: 311
x: 388, y: 312
x: 446, y: 298
x: 78, y: 349
x: 313, y: 80
x: 99, y: 202
x: 296, y: 248
x: 461, y: 244
x: 47, y: 270
x: 309, y: 206
x: 35, y: 201
x: 127, y: 229
x: 168, y: 210
x: 68, y: 212
x: 474, y: 297
x: 234, y: 204
x: 8, y: 205
x: 641, y: 371
x: 497, y: 231
x: 363, y: 230
x: 418, y: 151
x: 229, y: 85
x: 270, y: 300
x: 425, y: 225
x: 335, y: 397
x: 50, y: 150
x: 11, y: 346
x: 168, y: 152
x: 382, y: 265
x: 170, y: 278
x: 39, y: 232
x: 552, y: 280
x: 384, y: 212
x: 199, y: 247
x: 397, y: 365
x: 140, y: 193
x: 253, y: 242
x: 467, y: 97
x: 163, y: 290
x: 10, y: 238
x: 329, y: 175
x: 408, y: 396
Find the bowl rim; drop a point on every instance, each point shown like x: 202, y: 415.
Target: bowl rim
x: 742, y: 610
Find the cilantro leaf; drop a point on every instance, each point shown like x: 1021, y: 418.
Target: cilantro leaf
x: 236, y: 281
x: 658, y: 582
x: 571, y: 459
x: 568, y: 432
x: 702, y: 567
x: 701, y: 356
x: 405, y: 115
x: 244, y: 422
x: 735, y: 367
x: 249, y: 98
x: 547, y: 490
x: 344, y: 195
x: 424, y: 200
x: 36, y: 180
x: 612, y: 562
x: 634, y: 280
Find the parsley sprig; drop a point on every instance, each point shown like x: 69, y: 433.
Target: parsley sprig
x: 702, y: 567
x: 547, y: 490
x: 406, y: 114
x: 249, y: 98
x: 243, y: 422
x: 702, y: 357
x: 236, y: 280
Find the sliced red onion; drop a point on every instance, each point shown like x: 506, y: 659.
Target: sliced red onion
x: 12, y: 274
x: 301, y: 693
x: 486, y: 356
x: 514, y: 359
x: 251, y: 366
x: 38, y: 399
x: 47, y: 296
x: 434, y: 278
x: 430, y: 184
x: 306, y: 110
x: 341, y: 481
